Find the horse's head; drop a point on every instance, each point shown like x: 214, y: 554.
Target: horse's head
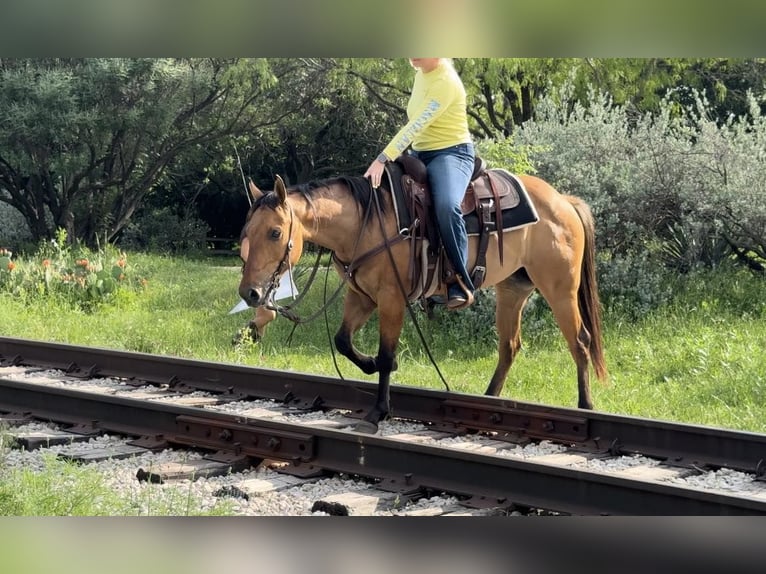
x: 271, y: 242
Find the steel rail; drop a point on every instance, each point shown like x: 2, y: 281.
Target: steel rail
x: 676, y: 443
x: 405, y: 466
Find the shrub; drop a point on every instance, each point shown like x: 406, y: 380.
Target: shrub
x: 671, y: 192
x: 83, y: 277
x: 162, y: 230
x: 13, y: 227
x: 474, y: 325
x: 507, y: 154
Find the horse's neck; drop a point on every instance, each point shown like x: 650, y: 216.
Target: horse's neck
x: 329, y: 223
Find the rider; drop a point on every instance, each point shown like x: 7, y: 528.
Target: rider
x: 438, y: 132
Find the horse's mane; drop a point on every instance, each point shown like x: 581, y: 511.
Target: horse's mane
x: 359, y: 188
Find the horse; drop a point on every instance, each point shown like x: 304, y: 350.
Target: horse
x: 555, y: 255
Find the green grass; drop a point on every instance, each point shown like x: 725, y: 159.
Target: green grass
x: 698, y: 360
x: 65, y: 488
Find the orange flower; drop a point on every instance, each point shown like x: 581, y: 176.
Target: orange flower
x: 144, y: 282
x: 121, y: 276
x: 46, y: 262
x: 11, y: 266
x: 81, y: 262
x: 121, y: 263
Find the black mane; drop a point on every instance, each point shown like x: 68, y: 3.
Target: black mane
x: 359, y: 188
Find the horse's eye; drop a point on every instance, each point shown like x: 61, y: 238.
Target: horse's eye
x: 276, y: 233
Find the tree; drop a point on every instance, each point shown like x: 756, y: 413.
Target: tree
x: 83, y: 141
x: 349, y: 109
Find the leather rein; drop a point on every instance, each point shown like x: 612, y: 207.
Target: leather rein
x: 348, y: 274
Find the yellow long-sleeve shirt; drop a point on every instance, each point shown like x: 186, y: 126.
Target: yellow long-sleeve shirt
x: 436, y: 112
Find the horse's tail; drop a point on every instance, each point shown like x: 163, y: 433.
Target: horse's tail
x: 587, y: 296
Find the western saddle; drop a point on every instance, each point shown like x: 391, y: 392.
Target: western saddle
x: 487, y: 195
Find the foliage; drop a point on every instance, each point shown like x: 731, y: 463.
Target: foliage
x: 505, y: 153
x: 61, y: 490
x: 474, y: 326
x: 64, y: 488
x: 85, y: 140
x: 13, y: 229
x: 696, y: 358
x: 87, y: 143
x: 670, y: 191
x: 83, y: 278
x: 160, y: 230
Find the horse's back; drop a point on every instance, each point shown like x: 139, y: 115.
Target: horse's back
x: 553, y: 206
x: 558, y: 238
x: 541, y: 192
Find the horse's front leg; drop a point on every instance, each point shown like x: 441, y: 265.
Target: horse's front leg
x: 391, y: 321
x: 256, y: 328
x: 357, y: 309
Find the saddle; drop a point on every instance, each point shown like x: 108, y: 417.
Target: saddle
x: 486, y: 207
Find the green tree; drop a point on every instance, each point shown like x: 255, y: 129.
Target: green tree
x: 83, y: 141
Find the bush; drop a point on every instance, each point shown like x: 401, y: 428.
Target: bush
x: 13, y: 227
x: 671, y: 192
x: 474, y: 325
x: 162, y: 230
x: 80, y: 276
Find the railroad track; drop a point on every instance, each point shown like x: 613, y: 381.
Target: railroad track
x: 487, y: 453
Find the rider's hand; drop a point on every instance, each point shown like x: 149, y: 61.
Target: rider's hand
x: 375, y: 171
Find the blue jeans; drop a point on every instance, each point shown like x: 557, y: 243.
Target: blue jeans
x: 449, y: 173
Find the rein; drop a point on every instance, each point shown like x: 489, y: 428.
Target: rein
x: 411, y: 312
x: 348, y: 268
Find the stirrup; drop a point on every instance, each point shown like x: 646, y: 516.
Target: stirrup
x: 455, y: 304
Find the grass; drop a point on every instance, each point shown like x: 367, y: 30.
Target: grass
x: 65, y: 488
x: 697, y: 360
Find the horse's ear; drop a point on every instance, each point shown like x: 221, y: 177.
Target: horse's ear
x: 279, y: 187
x: 255, y: 193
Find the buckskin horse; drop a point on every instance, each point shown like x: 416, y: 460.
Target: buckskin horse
x: 555, y: 255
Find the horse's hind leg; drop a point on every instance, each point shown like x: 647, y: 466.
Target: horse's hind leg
x: 563, y: 303
x: 357, y: 309
x: 511, y: 296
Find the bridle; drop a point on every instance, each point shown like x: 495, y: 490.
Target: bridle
x: 284, y: 263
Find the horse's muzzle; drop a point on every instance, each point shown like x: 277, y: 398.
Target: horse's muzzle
x: 253, y: 296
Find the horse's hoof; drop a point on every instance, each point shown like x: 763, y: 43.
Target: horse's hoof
x: 366, y: 427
